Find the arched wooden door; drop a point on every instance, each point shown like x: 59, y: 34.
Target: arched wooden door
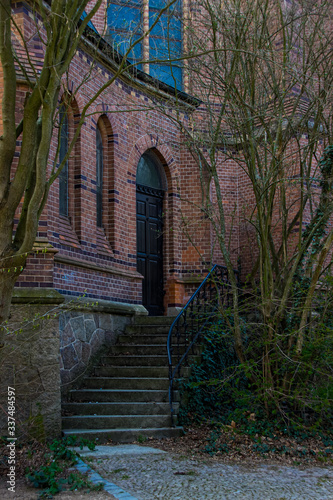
x: 149, y: 224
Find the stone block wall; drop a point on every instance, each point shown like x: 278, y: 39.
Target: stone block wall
x: 31, y: 366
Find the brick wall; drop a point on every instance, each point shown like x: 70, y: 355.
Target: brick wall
x: 83, y: 259
x: 101, y: 262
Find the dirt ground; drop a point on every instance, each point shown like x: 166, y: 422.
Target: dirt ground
x: 33, y: 456
x: 232, y: 447
x: 25, y: 492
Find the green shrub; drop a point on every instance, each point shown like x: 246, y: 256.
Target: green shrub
x: 50, y: 477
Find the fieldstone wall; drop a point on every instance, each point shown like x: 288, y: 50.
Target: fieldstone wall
x: 80, y: 338
x: 87, y: 329
x: 31, y: 365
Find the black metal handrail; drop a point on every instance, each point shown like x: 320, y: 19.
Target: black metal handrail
x: 198, y: 313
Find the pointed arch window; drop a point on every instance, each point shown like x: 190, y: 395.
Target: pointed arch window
x: 99, y: 177
x: 63, y: 177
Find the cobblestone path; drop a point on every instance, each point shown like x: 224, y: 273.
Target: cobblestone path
x: 149, y: 474
x: 171, y: 477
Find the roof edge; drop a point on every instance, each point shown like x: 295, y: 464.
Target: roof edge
x: 106, y: 49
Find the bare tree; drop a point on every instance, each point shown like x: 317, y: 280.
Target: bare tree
x: 60, y: 27
x: 263, y: 72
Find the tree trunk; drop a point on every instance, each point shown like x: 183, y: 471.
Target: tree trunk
x: 7, y: 282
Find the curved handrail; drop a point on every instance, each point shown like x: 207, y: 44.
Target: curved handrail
x: 193, y: 319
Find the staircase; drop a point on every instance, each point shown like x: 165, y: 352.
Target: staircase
x: 126, y: 398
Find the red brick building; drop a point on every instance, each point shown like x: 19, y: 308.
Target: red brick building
x: 123, y: 232
x: 128, y: 178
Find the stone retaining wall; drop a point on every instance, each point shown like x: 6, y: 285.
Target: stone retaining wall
x: 31, y: 366
x: 49, y: 346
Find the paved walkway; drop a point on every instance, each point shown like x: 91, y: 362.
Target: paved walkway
x: 132, y: 472
x: 148, y: 474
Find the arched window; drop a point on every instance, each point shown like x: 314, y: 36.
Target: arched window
x: 104, y: 190
x: 150, y: 172
x: 99, y: 177
x: 63, y: 149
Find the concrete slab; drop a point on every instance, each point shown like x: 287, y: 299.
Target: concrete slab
x: 110, y: 451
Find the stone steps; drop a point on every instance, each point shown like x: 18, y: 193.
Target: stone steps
x: 145, y: 338
x: 138, y: 330
x: 130, y: 360
x: 152, y: 321
x: 142, y: 349
x: 132, y: 371
x: 113, y: 395
x: 130, y: 383
x: 136, y: 371
x: 143, y: 408
x: 124, y: 435
x: 116, y: 421
x: 127, y: 395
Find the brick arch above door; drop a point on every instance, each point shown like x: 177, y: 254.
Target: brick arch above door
x: 163, y: 152
x: 172, y: 240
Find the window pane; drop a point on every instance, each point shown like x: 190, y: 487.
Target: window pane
x: 122, y: 41
x: 165, y: 43
x: 160, y: 4
x: 123, y: 18
x: 167, y: 74
x: 99, y: 177
x: 148, y: 173
x: 125, y: 26
x: 63, y: 177
x: 168, y: 26
x: 161, y: 49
